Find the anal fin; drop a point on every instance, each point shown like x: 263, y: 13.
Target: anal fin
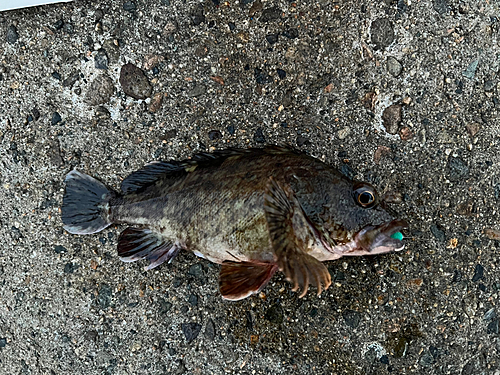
x: 135, y: 244
x: 240, y: 280
x: 293, y: 260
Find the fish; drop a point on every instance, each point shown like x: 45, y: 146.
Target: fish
x: 254, y: 211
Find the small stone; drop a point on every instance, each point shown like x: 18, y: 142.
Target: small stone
x: 259, y: 136
x: 156, y: 102
x: 218, y: 80
x: 3, y: 342
x: 470, y: 72
x: 274, y: 314
x: 151, y: 61
x: 210, y: 330
x: 54, y: 153
x: 255, y: 8
x: 213, y: 135
x: 465, y: 208
x: 12, y: 34
x: 489, y: 86
x: 344, y: 132
x: 102, y: 114
x: 201, y: 51
x: 71, y: 80
x: 70, y: 267
x: 405, y: 134
x: 129, y: 6
x: 394, y: 67
x: 197, y: 90
x: 270, y: 14
x: 291, y: 33
x: 231, y: 26
x: 193, y: 300
x: 59, y: 24
x: 351, y: 318
x: 60, y: 249
x: 457, y: 169
x: 380, y: 152
x: 281, y: 73
x: 438, y: 233
x: 196, y: 270
x: 101, y: 60
x: 301, y: 141
x: 369, y: 100
x: 163, y: 306
x: 384, y: 359
x: 262, y: 78
x: 231, y: 130
x: 91, y: 335
x: 134, y: 82
x: 492, y: 234
x: 392, y: 117
x: 492, y: 328
x: 490, y: 314
x: 56, y: 118
x: 441, y: 6
x: 191, y: 330
x: 68, y: 28
x: 198, y: 16
x: 473, y: 129
x: 100, y: 91
x: 104, y: 296
x: 478, y: 273
x: 272, y: 38
x: 56, y: 75
x: 427, y: 360
x: 36, y: 113
x: 382, y: 33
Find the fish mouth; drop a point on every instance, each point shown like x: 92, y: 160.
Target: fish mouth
x: 373, y: 240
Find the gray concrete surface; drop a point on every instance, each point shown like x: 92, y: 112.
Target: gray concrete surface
x: 69, y: 306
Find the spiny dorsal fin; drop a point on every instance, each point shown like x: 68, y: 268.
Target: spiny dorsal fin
x: 135, y: 244
x: 299, y: 267
x: 240, y: 280
x: 157, y: 170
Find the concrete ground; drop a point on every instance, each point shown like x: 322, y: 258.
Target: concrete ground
x: 404, y: 94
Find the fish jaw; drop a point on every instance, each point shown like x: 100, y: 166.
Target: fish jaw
x: 372, y: 240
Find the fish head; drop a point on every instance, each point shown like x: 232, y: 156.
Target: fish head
x: 358, y: 222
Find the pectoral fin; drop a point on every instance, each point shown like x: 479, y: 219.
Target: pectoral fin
x: 135, y: 244
x: 299, y: 267
x: 240, y: 280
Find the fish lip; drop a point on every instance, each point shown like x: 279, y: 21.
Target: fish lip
x: 377, y: 239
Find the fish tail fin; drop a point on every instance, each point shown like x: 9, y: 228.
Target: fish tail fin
x: 85, y: 207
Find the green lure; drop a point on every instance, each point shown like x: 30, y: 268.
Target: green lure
x: 397, y: 236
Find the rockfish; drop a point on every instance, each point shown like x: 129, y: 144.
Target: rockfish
x: 254, y: 211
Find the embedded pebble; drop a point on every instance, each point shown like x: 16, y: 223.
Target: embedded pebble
x: 191, y: 330
x: 394, y: 67
x: 101, y: 60
x: 12, y: 34
x: 100, y: 91
x: 382, y: 33
x: 134, y: 82
x: 210, y: 330
x: 156, y: 102
x: 457, y: 169
x: 392, y: 117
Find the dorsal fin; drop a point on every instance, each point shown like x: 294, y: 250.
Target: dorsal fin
x: 154, y: 171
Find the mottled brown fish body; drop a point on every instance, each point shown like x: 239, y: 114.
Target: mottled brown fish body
x: 254, y: 211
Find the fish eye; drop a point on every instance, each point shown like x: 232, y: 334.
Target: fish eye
x: 365, y: 196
